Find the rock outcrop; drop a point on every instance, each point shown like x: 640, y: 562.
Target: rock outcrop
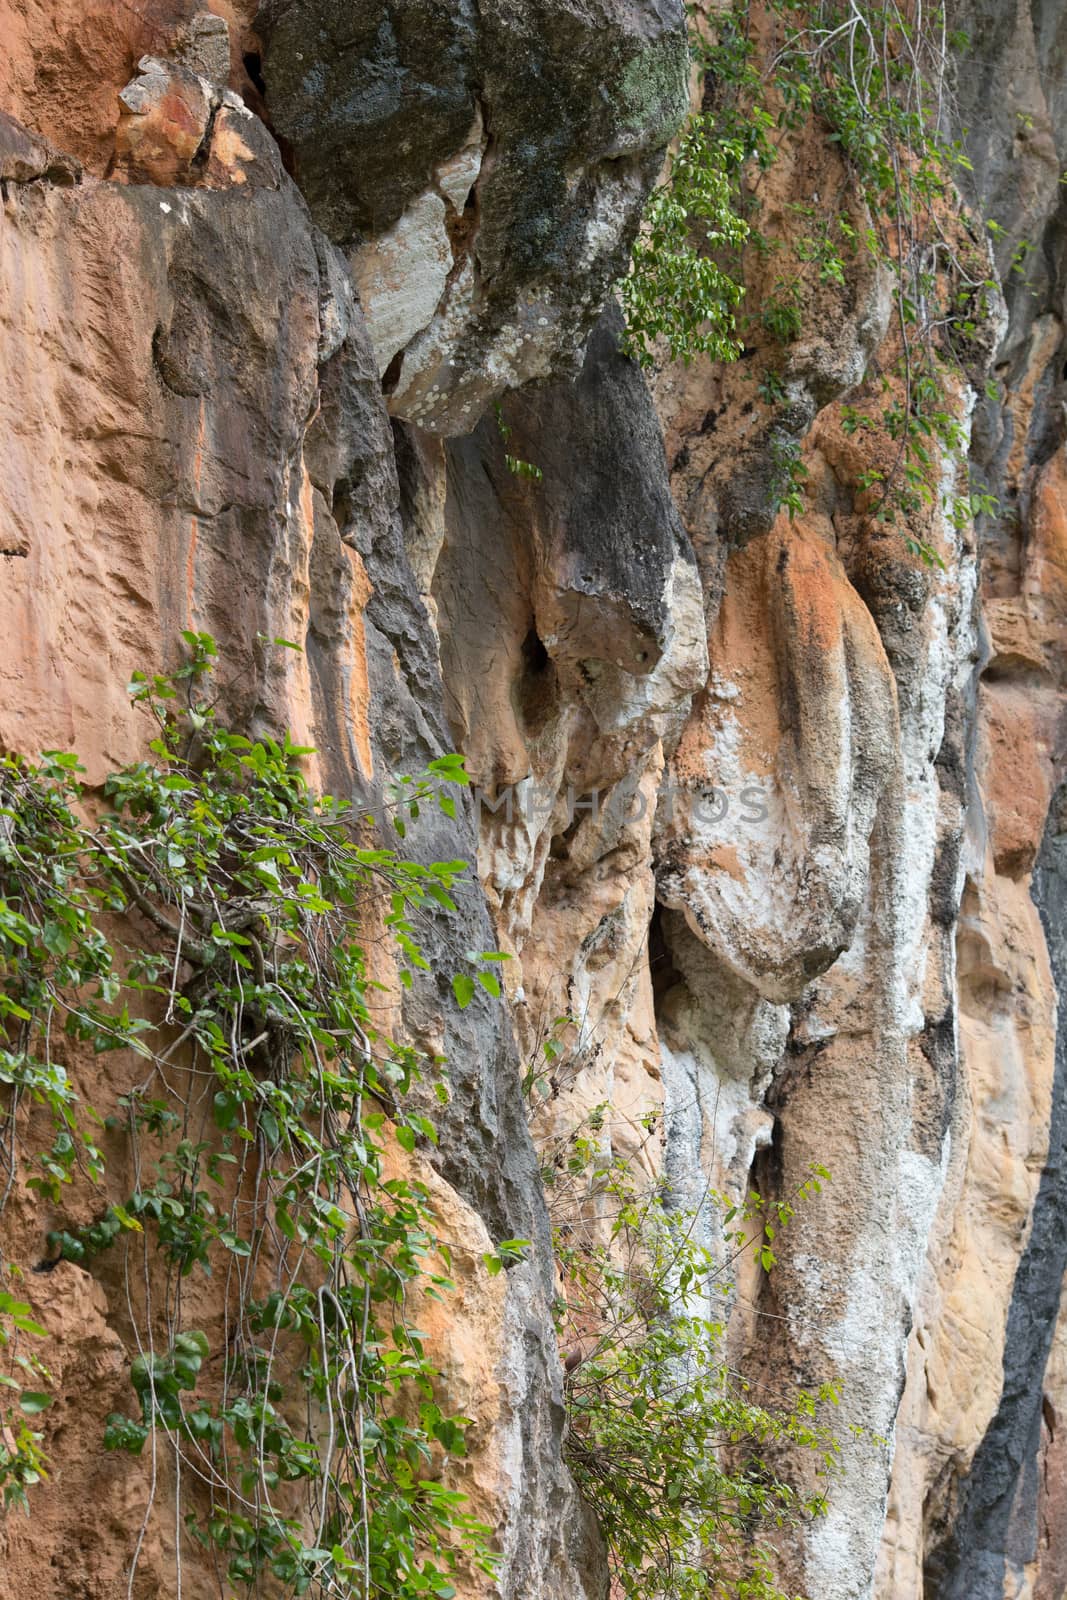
x: 306, y: 333
x: 488, y: 162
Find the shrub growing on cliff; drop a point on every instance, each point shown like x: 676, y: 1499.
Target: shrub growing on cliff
x: 869, y: 75
x: 676, y: 289
x: 670, y: 1446
x: 208, y: 921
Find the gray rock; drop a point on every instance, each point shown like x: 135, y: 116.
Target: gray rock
x: 578, y: 102
x: 203, y: 46
x: 27, y: 158
x: 570, y: 608
x: 551, y: 1545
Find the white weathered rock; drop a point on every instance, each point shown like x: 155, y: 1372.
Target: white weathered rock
x: 401, y: 277
x: 457, y: 176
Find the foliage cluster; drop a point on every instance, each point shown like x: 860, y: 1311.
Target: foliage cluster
x: 207, y: 920
x: 871, y: 75
x: 686, y: 1468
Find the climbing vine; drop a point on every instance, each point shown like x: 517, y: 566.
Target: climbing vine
x: 208, y: 921
x: 869, y: 77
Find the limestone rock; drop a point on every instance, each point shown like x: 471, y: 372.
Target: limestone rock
x: 178, y: 130
x: 206, y: 445
x: 402, y: 275
x: 167, y: 113
x: 25, y: 158
x: 764, y: 844
x: 768, y: 814
x: 203, y: 46
x: 581, y: 101
x: 596, y: 641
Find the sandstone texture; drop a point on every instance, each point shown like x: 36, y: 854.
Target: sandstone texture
x: 306, y: 332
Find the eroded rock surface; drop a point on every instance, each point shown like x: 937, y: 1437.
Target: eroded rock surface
x: 769, y: 810
x: 197, y: 439
x: 541, y: 126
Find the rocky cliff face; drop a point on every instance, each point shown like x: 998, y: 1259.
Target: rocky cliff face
x: 771, y: 810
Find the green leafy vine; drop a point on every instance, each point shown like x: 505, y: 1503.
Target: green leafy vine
x: 206, y: 920
x: 871, y: 76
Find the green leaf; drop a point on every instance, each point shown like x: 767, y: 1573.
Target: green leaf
x: 33, y: 1402
x: 225, y: 1110
x: 239, y: 1247
x: 268, y: 1124
x: 463, y: 989
x: 19, y: 1312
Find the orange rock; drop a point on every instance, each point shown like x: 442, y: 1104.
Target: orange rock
x: 1018, y: 771
x: 166, y: 114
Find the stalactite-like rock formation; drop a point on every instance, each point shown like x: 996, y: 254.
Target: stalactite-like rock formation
x: 771, y: 809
